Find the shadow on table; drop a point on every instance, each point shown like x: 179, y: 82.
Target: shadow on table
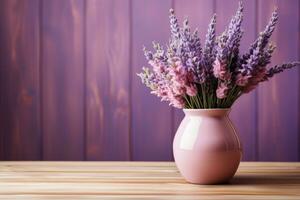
x: 269, y: 180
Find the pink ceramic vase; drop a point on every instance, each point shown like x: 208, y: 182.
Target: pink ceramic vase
x: 206, y: 147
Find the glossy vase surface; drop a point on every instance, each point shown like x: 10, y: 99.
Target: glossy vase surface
x: 206, y: 146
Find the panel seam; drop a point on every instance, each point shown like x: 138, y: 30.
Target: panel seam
x: 40, y: 81
x: 84, y: 38
x: 172, y: 108
x: 298, y: 82
x: 256, y: 94
x: 130, y: 137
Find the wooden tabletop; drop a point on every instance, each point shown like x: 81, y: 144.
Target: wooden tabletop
x: 142, y: 180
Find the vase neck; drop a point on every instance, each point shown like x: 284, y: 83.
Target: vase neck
x: 215, y: 112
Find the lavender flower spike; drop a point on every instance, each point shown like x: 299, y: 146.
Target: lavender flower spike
x: 148, y: 54
x: 265, y: 58
x: 234, y: 32
x: 279, y: 68
x: 208, y: 52
x: 190, y: 77
x: 174, y: 25
x: 254, y: 62
x: 228, y: 45
x: 265, y: 35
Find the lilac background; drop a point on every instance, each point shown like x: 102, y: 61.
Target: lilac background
x: 69, y: 89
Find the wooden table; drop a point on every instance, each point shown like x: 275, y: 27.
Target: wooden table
x: 141, y: 180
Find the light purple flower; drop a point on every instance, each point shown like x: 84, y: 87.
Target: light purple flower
x: 191, y: 90
x: 222, y: 91
x: 221, y: 71
x: 242, y: 80
x: 209, y: 47
x: 255, y: 80
x: 183, y: 70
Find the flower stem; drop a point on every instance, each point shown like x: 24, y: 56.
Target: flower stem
x: 188, y: 102
x: 204, y: 96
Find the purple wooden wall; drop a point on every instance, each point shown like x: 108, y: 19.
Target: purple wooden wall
x: 69, y: 90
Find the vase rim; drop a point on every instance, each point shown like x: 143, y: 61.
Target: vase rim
x: 207, y: 111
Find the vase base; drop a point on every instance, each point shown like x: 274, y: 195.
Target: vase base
x: 216, y: 168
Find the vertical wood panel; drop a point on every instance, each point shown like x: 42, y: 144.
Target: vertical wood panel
x: 113, y: 55
x: 199, y: 14
x: 108, y: 49
x: 278, y: 115
x: 19, y: 81
x: 298, y: 84
x: 243, y: 112
x: 62, y: 80
x: 151, y: 126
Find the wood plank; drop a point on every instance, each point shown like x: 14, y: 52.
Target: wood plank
x: 199, y: 14
x: 151, y: 120
x: 278, y: 116
x: 147, y: 197
x: 253, y: 180
x: 146, y: 189
x: 243, y: 113
x: 107, y: 100
x: 19, y: 80
x: 166, y: 167
x: 63, y: 80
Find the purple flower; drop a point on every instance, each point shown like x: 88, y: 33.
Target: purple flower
x: 188, y: 76
x: 278, y: 69
x: 209, y: 47
x: 175, y: 34
x: 222, y: 91
x: 191, y: 90
x: 234, y: 32
x: 255, y: 80
x: 242, y: 80
x: 221, y: 71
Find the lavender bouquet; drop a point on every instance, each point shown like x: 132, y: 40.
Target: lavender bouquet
x: 188, y: 75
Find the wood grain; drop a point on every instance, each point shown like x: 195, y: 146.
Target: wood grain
x: 278, y: 106
x: 142, y: 180
x: 243, y: 112
x: 62, y: 80
x: 69, y: 90
x: 19, y: 80
x: 108, y: 67
x: 151, y: 120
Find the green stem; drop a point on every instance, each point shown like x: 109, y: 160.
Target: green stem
x: 187, y: 101
x: 228, y: 99
x: 218, y: 103
x: 204, y: 96
x: 236, y: 94
x: 194, y: 101
x: 199, y: 100
x: 236, y: 97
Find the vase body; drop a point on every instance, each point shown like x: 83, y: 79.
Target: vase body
x: 206, y: 146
